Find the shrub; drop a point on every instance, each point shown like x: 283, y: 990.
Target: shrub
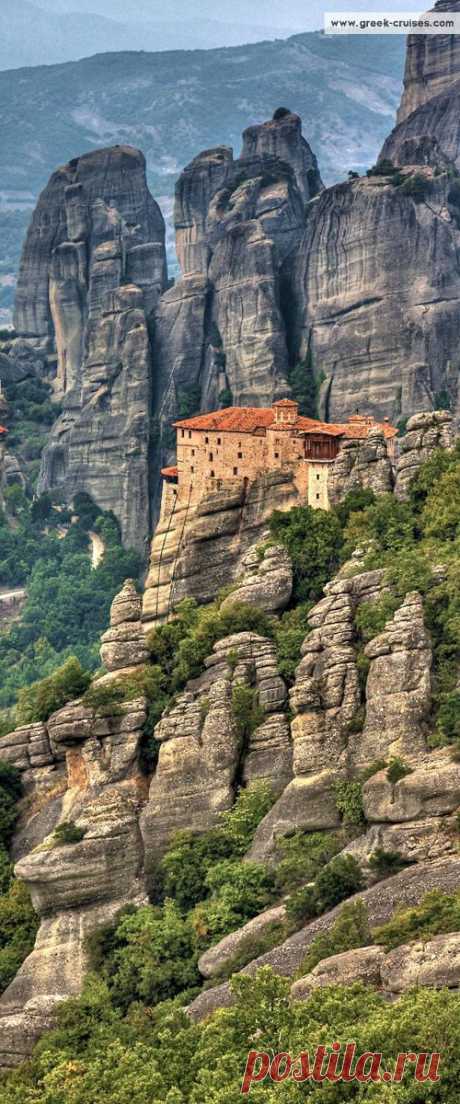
x: 39, y: 701
x: 313, y: 539
x: 246, y: 711
x: 371, y: 617
x: 290, y: 633
x: 350, y: 931
x: 349, y: 801
x: 397, y: 769
x: 338, y: 880
x: 183, y: 870
x: 448, y: 718
x: 10, y: 792
x: 355, y: 501
x: 302, y: 906
x: 238, y: 891
x: 417, y: 187
x: 67, y: 832
x: 301, y: 856
x: 18, y: 928
x: 385, y: 863
x: 149, y: 955
x: 437, y: 913
x: 384, y: 167
x: 373, y: 768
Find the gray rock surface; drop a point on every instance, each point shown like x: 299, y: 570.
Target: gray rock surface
x: 358, y: 288
x: 424, y: 434
x: 406, y: 888
x: 434, y: 963
x: 266, y: 579
x: 199, y: 550
x: 398, y: 690
x: 123, y: 644
x: 201, y: 750
x: 362, y: 964
x: 213, y: 960
x: 361, y: 463
x: 93, y: 267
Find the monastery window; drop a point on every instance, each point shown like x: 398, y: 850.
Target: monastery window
x: 317, y: 476
x: 190, y: 433
x: 235, y: 471
x: 206, y: 440
x: 192, y: 469
x: 211, y: 457
x: 277, y: 455
x: 182, y: 432
x: 219, y: 441
x: 193, y: 452
x: 318, y: 497
x: 212, y: 474
x: 240, y: 456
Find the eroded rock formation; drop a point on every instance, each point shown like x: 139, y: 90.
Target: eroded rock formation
x: 202, y: 754
x: 425, y: 433
x: 196, y: 551
x: 92, y: 268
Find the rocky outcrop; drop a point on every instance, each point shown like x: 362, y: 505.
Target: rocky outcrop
x: 266, y: 581
x: 101, y: 442
x: 398, y: 690
x: 361, y: 463
x: 218, y: 956
x: 358, y: 289
x: 324, y: 699
x: 424, y: 433
x: 202, y: 754
x: 432, y: 65
x: 223, y: 329
x: 434, y: 963
x: 99, y: 198
x: 85, y: 771
x: 282, y: 138
x: 362, y: 964
x: 123, y: 645
x: 403, y: 890
x: 198, y: 550
x: 92, y: 269
x: 432, y: 789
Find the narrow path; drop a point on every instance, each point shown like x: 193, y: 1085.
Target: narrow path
x: 97, y: 549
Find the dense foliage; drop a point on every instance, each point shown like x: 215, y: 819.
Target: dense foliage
x: 68, y: 601
x: 18, y: 923
x: 98, y: 1054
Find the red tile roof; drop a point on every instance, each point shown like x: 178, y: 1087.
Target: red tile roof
x: 3, y: 429
x: 172, y: 471
x: 248, y: 419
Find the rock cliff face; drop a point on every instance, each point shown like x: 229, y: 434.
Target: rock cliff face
x: 381, y: 326
x: 93, y: 266
x: 84, y: 769
x: 432, y: 65
x: 198, y: 551
x: 425, y: 433
x: 202, y: 756
x: 224, y: 328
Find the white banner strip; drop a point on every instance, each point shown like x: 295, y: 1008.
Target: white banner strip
x: 431, y: 23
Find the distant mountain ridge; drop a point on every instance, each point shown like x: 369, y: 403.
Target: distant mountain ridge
x: 31, y: 34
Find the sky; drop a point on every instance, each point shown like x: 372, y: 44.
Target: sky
x: 295, y: 14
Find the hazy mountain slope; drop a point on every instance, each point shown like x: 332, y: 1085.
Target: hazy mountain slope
x: 173, y: 104
x: 31, y: 35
